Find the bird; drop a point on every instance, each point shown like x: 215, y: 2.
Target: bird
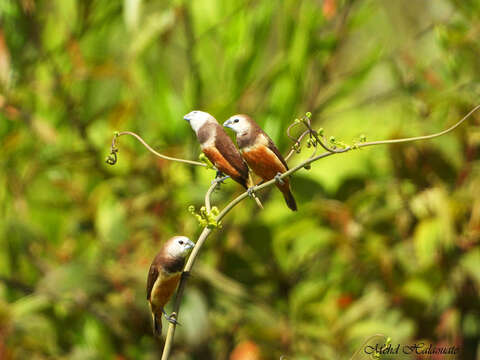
x: 219, y: 148
x: 163, y: 277
x: 261, y: 154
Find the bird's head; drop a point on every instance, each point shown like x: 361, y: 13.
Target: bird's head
x: 179, y: 246
x: 238, y: 123
x: 197, y: 118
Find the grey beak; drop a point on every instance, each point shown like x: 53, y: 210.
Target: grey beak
x: 228, y: 123
x: 190, y: 244
x: 186, y: 118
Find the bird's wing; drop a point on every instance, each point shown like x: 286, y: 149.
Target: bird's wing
x: 273, y: 148
x: 224, y: 165
x: 231, y: 154
x: 152, y: 277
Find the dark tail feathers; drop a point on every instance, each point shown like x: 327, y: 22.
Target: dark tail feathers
x: 157, y: 326
x: 289, y: 199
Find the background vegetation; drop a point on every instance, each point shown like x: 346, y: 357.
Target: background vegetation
x: 386, y: 239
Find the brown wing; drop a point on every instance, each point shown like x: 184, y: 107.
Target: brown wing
x: 152, y: 277
x: 255, y: 135
x: 264, y: 162
x: 223, y: 165
x: 225, y: 145
x: 271, y: 146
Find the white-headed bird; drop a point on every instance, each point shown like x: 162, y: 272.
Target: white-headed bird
x: 261, y: 153
x: 164, y: 276
x: 218, y: 147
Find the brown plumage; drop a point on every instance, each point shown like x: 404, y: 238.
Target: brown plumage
x: 219, y: 148
x: 163, y: 277
x: 221, y: 151
x: 261, y: 153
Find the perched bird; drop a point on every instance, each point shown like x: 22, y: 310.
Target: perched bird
x: 164, y: 275
x: 219, y: 148
x: 261, y: 153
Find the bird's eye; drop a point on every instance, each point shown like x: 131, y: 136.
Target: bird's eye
x: 181, y: 242
x: 236, y: 120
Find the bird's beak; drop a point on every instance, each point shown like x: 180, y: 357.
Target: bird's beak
x: 190, y: 244
x: 228, y: 123
x: 186, y: 118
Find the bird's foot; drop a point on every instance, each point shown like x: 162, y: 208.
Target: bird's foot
x: 278, y: 180
x: 251, y: 191
x: 219, y: 174
x: 172, y: 318
x: 219, y: 180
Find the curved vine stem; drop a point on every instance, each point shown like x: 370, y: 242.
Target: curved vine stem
x: 209, y: 193
x: 425, y: 137
x: 206, y: 231
x: 112, y: 158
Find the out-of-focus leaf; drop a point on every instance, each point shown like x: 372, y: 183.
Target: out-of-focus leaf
x: 470, y: 264
x: 301, y: 241
x: 110, y: 221
x: 29, y: 305
x: 195, y: 314
x: 427, y: 239
x: 74, y: 282
x: 132, y: 13
x: 419, y: 290
x: 153, y: 26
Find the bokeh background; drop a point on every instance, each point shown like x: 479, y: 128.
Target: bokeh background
x: 386, y: 239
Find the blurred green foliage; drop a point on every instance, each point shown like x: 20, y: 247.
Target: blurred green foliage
x: 386, y: 239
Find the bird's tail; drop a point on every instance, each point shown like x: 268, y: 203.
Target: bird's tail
x: 287, y: 195
x: 157, y: 325
x: 249, y: 185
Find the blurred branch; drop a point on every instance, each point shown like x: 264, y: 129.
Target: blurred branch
x: 318, y: 104
x: 16, y: 284
x: 305, y: 164
x: 193, y: 64
x: 112, y: 158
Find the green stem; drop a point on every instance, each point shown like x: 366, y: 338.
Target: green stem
x: 191, y: 162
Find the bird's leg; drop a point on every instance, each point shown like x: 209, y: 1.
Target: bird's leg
x: 278, y: 180
x: 251, y: 191
x: 219, y: 174
x: 219, y: 180
x: 172, y: 318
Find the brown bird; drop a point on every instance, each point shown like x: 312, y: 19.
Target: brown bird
x: 219, y: 148
x: 163, y: 277
x: 261, y: 154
